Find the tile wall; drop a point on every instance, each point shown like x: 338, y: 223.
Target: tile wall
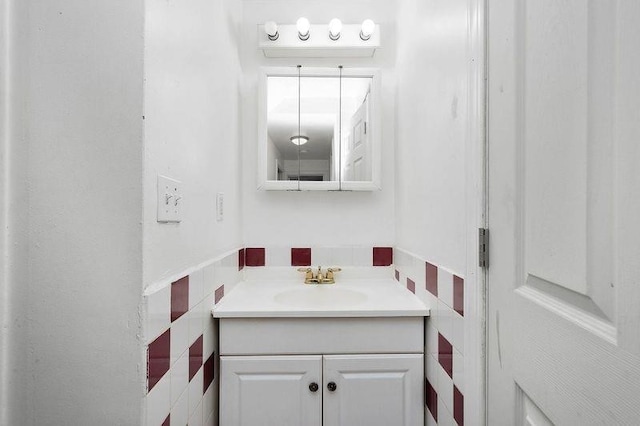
x: 319, y: 256
x: 181, y: 339
x: 443, y: 290
x: 181, y: 343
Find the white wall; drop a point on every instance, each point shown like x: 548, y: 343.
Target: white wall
x: 73, y: 188
x: 191, y: 129
x: 316, y: 218
x: 439, y: 140
x: 431, y: 130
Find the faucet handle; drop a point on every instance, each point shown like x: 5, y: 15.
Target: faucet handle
x: 308, y: 273
x: 330, y: 272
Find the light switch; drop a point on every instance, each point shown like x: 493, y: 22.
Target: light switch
x: 220, y: 207
x: 169, y: 199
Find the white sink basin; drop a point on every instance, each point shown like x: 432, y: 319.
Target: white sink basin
x: 320, y: 296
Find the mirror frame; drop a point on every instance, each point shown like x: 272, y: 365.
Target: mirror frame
x: 376, y: 131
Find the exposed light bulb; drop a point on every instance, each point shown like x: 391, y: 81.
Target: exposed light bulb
x: 335, y: 26
x: 303, y: 28
x: 271, y: 28
x: 368, y: 27
x: 299, y: 140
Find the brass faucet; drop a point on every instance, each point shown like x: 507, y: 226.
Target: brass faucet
x: 319, y: 277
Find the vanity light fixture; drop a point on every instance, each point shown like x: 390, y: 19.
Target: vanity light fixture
x: 335, y: 26
x: 299, y: 139
x: 271, y: 28
x: 303, y: 26
x: 368, y: 27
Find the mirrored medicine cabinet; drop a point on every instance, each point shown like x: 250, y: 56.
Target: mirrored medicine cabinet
x: 319, y: 129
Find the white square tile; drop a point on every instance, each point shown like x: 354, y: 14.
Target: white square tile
x: 363, y: 256
x: 445, y: 418
x: 458, y: 371
x: 432, y: 304
x: 278, y: 256
x: 179, y: 337
x: 208, y: 401
x: 445, y: 286
x: 431, y: 340
x: 196, y: 287
x: 444, y: 389
x: 180, y: 410
x: 196, y: 390
x: 207, y: 306
x: 432, y: 370
x: 179, y: 377
x: 196, y: 322
x: 231, y: 260
x: 196, y: 416
x: 158, y: 308
x: 209, y: 279
x: 342, y: 256
x: 401, y: 259
x: 322, y: 256
x: 457, y: 335
x: 445, y: 320
x: 418, y: 272
x: 158, y: 401
x: 209, y: 340
x: 211, y: 420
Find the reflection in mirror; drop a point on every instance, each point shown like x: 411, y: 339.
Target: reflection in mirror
x: 356, y: 144
x: 307, y: 149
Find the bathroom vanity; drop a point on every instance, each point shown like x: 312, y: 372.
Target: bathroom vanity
x: 345, y: 354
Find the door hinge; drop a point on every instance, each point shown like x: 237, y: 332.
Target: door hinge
x: 365, y: 127
x: 483, y: 247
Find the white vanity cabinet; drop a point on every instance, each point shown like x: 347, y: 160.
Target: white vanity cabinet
x: 322, y: 371
x: 271, y: 390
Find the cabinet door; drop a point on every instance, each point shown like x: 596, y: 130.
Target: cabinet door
x: 270, y: 390
x: 373, y: 390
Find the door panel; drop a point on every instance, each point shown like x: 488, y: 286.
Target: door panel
x: 270, y: 391
x: 562, y: 299
x: 374, y: 390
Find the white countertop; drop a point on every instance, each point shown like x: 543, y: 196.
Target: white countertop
x: 367, y: 297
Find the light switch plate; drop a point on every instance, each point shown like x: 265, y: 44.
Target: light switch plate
x: 169, y: 199
x: 220, y: 206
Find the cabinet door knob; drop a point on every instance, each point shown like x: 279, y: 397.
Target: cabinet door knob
x: 332, y: 386
x: 313, y: 387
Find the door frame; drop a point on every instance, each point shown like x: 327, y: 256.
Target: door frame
x: 475, y: 357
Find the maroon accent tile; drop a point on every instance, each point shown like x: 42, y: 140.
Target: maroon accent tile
x: 411, y: 285
x: 458, y: 294
x: 397, y: 275
x: 240, y: 259
x: 300, y: 257
x: 167, y: 421
x: 432, y: 400
x: 195, y: 357
x: 158, y: 358
x: 254, y: 256
x: 219, y: 294
x: 458, y: 406
x: 208, y: 372
x: 382, y: 256
x: 179, y: 297
x: 432, y: 279
x: 445, y: 354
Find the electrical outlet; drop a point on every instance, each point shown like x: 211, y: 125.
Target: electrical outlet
x: 220, y: 207
x: 169, y: 199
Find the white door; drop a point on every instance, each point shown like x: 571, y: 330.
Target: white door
x: 271, y: 390
x: 373, y: 390
x: 564, y: 212
x: 358, y: 155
